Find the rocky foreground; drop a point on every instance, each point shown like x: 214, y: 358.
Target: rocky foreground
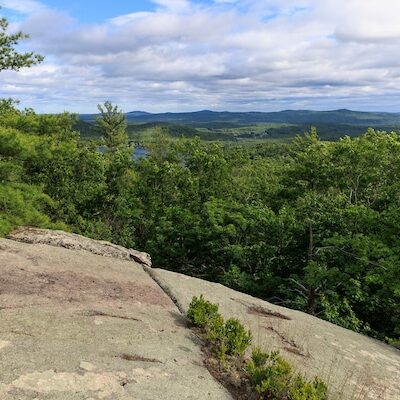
x: 84, y: 319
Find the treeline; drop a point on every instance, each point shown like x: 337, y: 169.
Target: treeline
x: 310, y: 225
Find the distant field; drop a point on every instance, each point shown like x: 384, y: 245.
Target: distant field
x: 225, y: 126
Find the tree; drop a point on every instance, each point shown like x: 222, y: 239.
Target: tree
x: 112, y: 125
x: 10, y: 58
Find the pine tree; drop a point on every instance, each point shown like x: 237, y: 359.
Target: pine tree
x: 10, y: 58
x: 112, y: 125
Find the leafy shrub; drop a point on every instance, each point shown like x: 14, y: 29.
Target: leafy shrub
x: 231, y: 336
x: 339, y: 312
x: 215, y: 329
x: 269, y: 373
x: 303, y: 390
x: 272, y: 377
x: 22, y: 204
x: 235, y: 338
x: 201, y: 312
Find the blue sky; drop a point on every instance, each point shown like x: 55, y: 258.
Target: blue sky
x: 91, y: 11
x: 184, y: 55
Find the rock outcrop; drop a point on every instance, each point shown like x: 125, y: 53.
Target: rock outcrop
x: 77, y: 325
x: 84, y: 319
x: 353, y: 365
x: 73, y: 241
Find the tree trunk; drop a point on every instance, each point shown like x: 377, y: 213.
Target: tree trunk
x: 311, y: 301
x: 311, y: 293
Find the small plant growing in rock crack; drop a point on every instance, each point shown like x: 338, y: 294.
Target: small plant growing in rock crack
x: 231, y: 337
x: 215, y: 328
x: 305, y: 390
x: 235, y: 338
x: 201, y: 312
x: 267, y: 375
x: 273, y: 379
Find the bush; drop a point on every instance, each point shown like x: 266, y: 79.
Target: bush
x: 303, y: 390
x: 269, y: 373
x: 231, y: 336
x: 235, y: 338
x: 215, y: 329
x: 272, y: 377
x: 22, y: 204
x: 201, y: 312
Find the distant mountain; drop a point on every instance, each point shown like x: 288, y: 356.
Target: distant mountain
x: 225, y: 125
x: 343, y: 117
x: 137, y: 113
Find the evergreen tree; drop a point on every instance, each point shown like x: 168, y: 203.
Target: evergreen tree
x: 10, y: 58
x: 112, y: 126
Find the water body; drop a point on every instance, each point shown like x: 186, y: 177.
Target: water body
x: 137, y: 153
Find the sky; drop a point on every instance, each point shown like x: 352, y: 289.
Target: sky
x: 187, y: 55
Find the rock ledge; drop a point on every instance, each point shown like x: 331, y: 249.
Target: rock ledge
x: 78, y: 242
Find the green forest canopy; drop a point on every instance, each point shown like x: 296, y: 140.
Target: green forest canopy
x: 311, y: 225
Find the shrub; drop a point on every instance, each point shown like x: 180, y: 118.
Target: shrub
x: 235, y: 338
x: 303, y: 390
x: 272, y: 377
x: 201, y: 312
x: 269, y: 373
x: 231, y: 336
x: 22, y: 204
x: 215, y: 329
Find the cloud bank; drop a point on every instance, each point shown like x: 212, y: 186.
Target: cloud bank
x: 222, y: 54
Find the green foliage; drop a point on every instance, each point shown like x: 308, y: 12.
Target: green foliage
x: 201, y: 311
x: 231, y: 336
x: 22, y: 204
x: 269, y: 373
x: 10, y: 58
x: 235, y: 338
x: 237, y: 279
x: 311, y: 225
x: 340, y: 313
x: 215, y: 329
x: 112, y: 125
x: 273, y: 378
x: 301, y: 389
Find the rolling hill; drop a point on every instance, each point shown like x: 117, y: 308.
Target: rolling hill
x: 342, y: 117
x: 225, y: 125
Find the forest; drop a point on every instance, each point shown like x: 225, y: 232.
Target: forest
x: 310, y: 224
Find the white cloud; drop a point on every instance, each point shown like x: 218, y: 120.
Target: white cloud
x: 262, y: 55
x: 129, y: 18
x: 174, y: 5
x: 23, y: 6
x: 368, y: 21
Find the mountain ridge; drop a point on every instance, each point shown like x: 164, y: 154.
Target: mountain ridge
x: 339, y: 116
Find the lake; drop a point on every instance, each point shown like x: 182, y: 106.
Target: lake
x: 137, y: 153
